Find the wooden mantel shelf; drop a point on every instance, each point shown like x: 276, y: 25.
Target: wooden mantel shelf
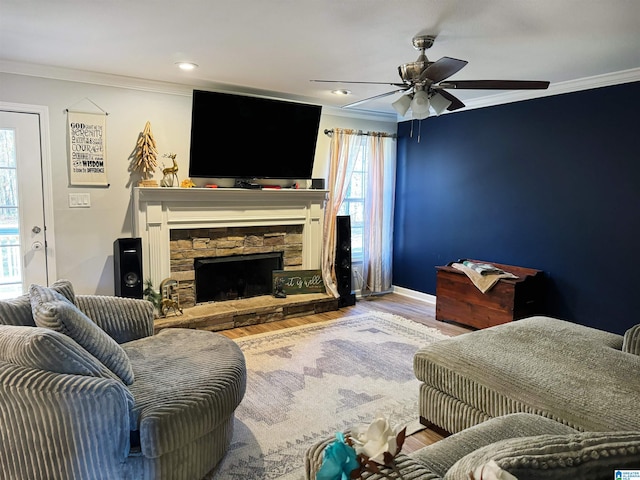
x: 235, y: 195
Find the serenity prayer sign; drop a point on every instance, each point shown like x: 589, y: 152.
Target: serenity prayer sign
x: 87, y: 148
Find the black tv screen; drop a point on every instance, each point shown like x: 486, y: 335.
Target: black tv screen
x: 236, y: 136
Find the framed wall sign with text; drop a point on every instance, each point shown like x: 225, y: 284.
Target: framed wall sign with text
x: 87, y: 148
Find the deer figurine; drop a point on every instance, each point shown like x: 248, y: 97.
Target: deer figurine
x: 170, y: 173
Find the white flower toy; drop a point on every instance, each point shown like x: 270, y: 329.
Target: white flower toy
x: 378, y: 441
x: 370, y: 449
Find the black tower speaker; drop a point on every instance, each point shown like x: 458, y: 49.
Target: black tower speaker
x: 343, y: 261
x: 127, y: 268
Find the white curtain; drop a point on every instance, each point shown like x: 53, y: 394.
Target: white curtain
x: 378, y: 214
x: 345, y: 145
x: 380, y: 156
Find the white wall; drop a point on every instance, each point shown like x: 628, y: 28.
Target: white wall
x: 84, y: 236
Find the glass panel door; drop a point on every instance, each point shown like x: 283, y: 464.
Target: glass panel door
x: 23, y: 257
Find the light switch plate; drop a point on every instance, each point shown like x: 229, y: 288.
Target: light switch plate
x: 79, y: 200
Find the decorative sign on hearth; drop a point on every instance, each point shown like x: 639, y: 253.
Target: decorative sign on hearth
x: 293, y: 282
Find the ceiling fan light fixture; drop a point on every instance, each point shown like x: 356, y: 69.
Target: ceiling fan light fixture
x: 420, y: 115
x: 402, y: 104
x: 439, y: 103
x: 420, y: 105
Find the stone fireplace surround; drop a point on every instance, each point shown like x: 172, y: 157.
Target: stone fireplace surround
x: 186, y: 245
x: 286, y: 216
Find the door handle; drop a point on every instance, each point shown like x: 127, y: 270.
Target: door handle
x: 36, y: 229
x: 37, y: 246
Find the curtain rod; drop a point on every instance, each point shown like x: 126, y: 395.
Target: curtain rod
x: 329, y: 132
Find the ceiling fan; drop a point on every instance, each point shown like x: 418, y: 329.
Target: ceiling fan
x: 423, y: 82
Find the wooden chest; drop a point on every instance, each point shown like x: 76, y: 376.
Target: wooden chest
x: 459, y: 300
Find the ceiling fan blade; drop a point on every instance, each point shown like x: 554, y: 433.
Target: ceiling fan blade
x: 496, y: 84
x: 455, y: 102
x: 443, y: 68
x: 382, y: 95
x: 369, y: 83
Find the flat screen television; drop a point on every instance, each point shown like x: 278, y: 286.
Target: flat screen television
x: 242, y: 137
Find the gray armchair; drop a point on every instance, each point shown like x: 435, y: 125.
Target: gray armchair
x: 88, y: 392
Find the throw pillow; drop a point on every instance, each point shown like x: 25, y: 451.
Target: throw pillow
x: 588, y: 455
x: 53, y: 310
x: 631, y: 342
x: 17, y: 311
x: 46, y: 349
x: 65, y: 288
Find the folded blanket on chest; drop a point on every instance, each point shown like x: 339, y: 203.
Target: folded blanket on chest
x: 483, y: 276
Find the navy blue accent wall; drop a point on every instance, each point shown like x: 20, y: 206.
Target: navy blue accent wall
x: 551, y: 183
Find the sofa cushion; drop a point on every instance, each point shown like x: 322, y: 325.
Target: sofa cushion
x: 187, y: 383
x: 441, y: 455
x: 17, y: 311
x: 631, y: 342
x: 586, y: 455
x: 52, y: 310
x: 46, y: 349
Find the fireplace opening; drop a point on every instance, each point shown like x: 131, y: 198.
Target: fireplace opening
x: 238, y: 276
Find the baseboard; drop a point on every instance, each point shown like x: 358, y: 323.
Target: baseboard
x: 424, y: 297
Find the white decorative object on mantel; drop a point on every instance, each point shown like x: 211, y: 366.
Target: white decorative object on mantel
x: 156, y: 211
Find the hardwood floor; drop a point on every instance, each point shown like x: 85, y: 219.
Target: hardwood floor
x: 412, y: 309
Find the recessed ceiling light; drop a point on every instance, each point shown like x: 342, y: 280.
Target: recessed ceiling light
x: 341, y: 92
x: 186, y: 65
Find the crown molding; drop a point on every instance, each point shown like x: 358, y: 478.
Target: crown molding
x: 588, y: 83
x: 94, y: 78
x: 132, y: 83
x: 153, y: 86
x: 361, y: 114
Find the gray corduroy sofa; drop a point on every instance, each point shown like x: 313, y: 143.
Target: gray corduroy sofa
x: 540, y: 397
x: 88, y: 392
x: 586, y: 378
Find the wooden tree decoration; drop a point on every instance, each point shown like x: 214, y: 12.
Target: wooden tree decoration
x: 146, y: 154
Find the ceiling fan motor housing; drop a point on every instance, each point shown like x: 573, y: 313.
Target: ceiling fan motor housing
x: 410, y: 72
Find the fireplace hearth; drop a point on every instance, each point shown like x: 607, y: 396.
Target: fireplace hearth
x: 235, y: 277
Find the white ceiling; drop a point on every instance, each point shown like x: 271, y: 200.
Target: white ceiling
x: 275, y: 47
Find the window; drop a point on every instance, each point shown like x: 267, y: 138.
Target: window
x: 353, y: 204
x: 10, y: 262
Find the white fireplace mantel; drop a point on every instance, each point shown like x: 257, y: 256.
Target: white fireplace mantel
x: 156, y: 211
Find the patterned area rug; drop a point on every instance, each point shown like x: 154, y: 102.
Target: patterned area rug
x: 306, y: 383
